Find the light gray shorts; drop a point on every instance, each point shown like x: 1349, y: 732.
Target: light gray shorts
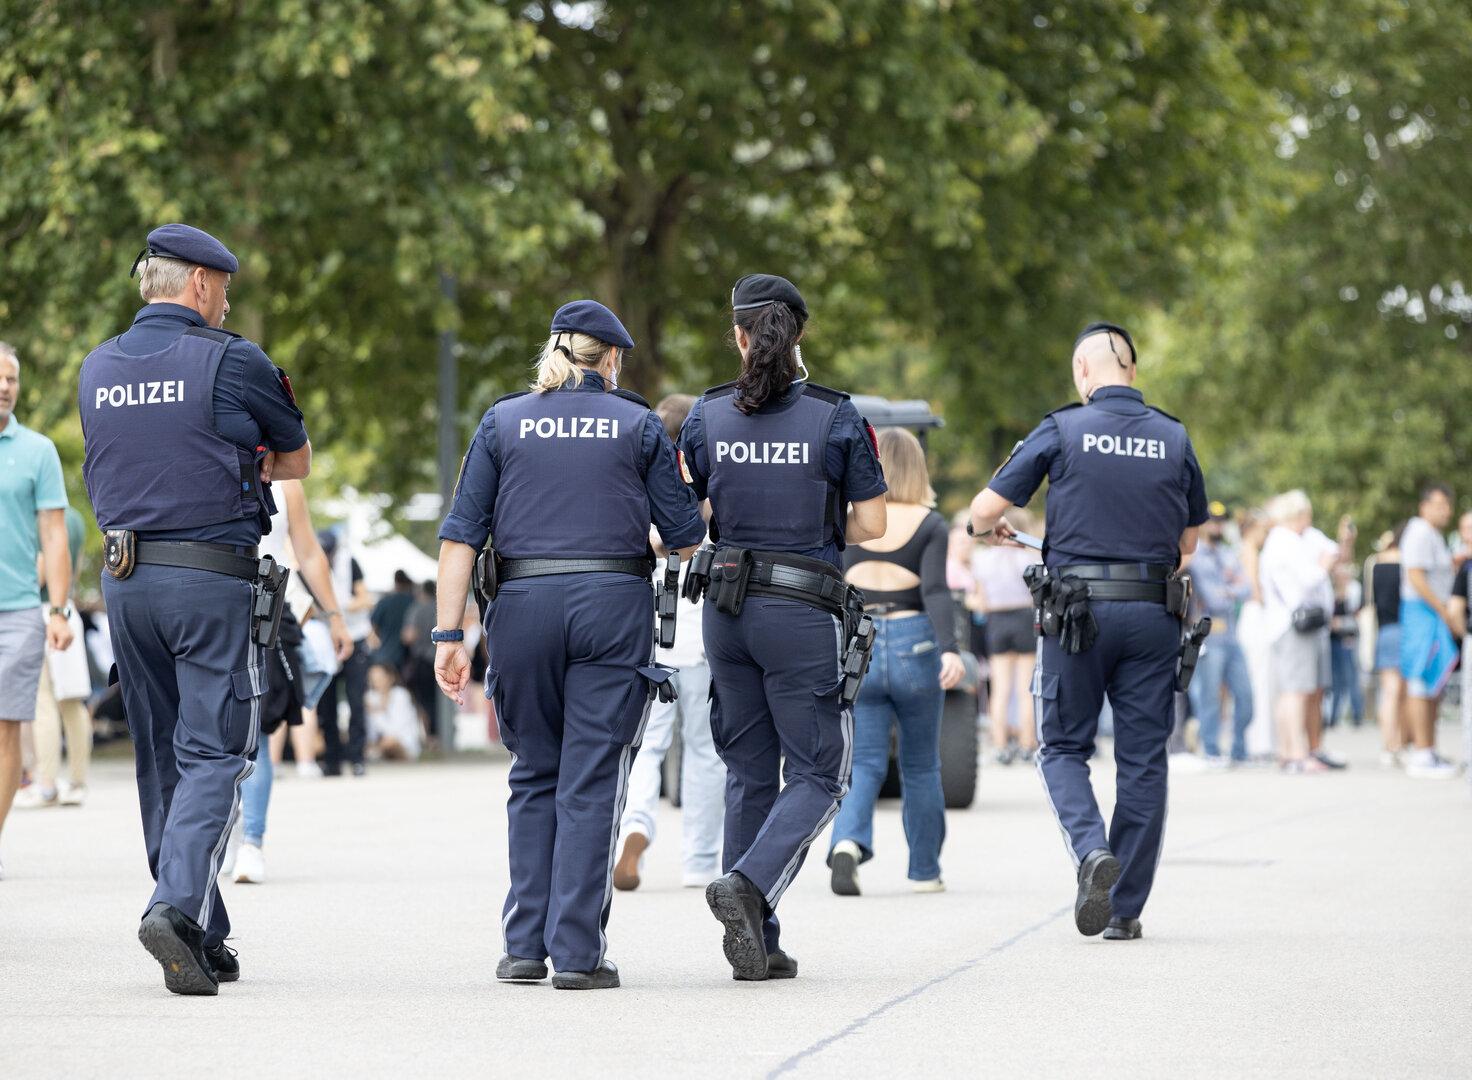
x: 22, y: 652
x: 1301, y: 662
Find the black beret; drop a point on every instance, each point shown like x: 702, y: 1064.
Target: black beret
x: 759, y: 290
x: 191, y: 245
x: 1108, y: 328
x: 591, y: 318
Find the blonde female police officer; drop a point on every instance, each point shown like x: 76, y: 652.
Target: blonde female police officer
x: 791, y: 472
x: 565, y: 481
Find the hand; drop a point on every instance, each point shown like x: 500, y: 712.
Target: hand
x: 342, y: 641
x: 1002, y: 534
x: 268, y: 465
x: 952, y: 671
x: 58, y: 634
x: 452, y: 670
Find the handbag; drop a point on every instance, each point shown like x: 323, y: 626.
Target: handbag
x: 1309, y: 617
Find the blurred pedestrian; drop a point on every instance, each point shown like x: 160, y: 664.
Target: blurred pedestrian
x: 1220, y: 587
x: 387, y: 619
x: 1011, y: 645
x: 1428, y: 652
x: 418, y: 670
x: 1383, y: 571
x: 1256, y: 641
x: 32, y: 524
x: 916, y: 660
x: 351, y: 680
x: 394, y: 730
x: 1344, y: 639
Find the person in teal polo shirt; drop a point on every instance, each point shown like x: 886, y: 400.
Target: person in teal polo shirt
x: 32, y: 506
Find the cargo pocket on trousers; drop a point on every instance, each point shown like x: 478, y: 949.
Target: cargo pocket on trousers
x: 627, y: 727
x: 249, y: 685
x: 829, y: 727
x: 494, y: 696
x: 1044, y: 685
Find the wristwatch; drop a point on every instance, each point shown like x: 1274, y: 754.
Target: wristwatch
x: 437, y: 636
x: 65, y: 611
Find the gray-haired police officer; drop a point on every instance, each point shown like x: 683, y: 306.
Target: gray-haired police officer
x: 184, y: 425
x: 565, y: 481
x: 781, y: 460
x: 1125, y: 500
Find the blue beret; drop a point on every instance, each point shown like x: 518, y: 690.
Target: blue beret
x: 591, y: 318
x: 759, y: 290
x: 1108, y: 328
x: 190, y: 245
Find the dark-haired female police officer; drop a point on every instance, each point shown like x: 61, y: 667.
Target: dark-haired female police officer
x: 565, y: 480
x: 791, y: 471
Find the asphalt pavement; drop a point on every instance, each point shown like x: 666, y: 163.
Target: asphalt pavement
x: 1310, y: 926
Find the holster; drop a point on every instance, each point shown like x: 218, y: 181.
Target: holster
x: 730, y: 571
x: 269, y: 602
x: 485, y: 581
x: 1062, y: 608
x: 119, y: 552
x: 666, y: 600
x: 1040, y: 584
x: 1191, y: 652
x: 697, y: 574
x: 856, y: 656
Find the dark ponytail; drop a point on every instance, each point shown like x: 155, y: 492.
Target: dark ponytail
x: 771, y: 361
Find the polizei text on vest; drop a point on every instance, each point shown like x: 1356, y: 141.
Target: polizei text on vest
x: 763, y: 453
x: 143, y: 393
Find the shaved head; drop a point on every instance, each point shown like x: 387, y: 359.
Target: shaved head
x: 1100, y: 359
x: 1105, y: 345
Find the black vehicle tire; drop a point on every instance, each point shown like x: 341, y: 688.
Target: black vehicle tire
x: 959, y: 748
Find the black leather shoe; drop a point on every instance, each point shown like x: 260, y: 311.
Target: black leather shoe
x: 779, y: 966
x: 517, y: 969
x: 605, y: 977
x: 1123, y: 930
x: 177, y: 943
x: 223, y: 962
x: 1096, y: 876
x: 739, y: 907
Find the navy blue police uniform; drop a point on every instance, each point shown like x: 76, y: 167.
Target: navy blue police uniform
x: 1124, y: 485
x: 577, y: 473
x: 177, y: 417
x: 779, y: 481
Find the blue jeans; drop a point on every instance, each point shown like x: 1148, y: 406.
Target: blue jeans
x: 1222, y: 661
x: 902, y: 688
x: 255, y: 796
x: 1346, y: 684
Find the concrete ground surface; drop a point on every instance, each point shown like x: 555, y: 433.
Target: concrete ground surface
x: 1310, y: 926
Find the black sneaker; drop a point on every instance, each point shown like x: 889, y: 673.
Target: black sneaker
x: 224, y: 962
x: 740, y: 908
x: 1096, y: 876
x: 779, y: 966
x: 604, y: 977
x: 518, y: 969
x: 177, y: 943
x: 1123, y: 930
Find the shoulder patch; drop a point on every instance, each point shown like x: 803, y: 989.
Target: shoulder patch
x: 629, y: 395
x: 508, y: 397
x: 722, y: 390
x: 1065, y: 408
x: 1162, y: 412
x: 824, y: 393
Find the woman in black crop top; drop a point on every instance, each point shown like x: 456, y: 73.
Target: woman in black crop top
x: 915, y: 661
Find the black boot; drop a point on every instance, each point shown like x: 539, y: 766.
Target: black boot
x: 604, y: 977
x: 1123, y: 930
x: 1096, y: 876
x: 517, y: 969
x: 177, y: 943
x: 779, y: 966
x: 740, y: 908
x: 223, y: 962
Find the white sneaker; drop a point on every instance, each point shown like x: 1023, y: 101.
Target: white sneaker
x: 74, y: 795
x: 1429, y: 765
x: 232, y: 847
x: 250, y: 865
x: 33, y: 798
x: 1390, y: 759
x: 1187, y: 762
x: 308, y: 770
x: 934, y: 885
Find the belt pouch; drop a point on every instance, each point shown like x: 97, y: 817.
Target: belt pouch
x: 729, y: 574
x: 119, y: 552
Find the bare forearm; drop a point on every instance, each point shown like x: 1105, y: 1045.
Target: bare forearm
x: 1422, y: 586
x: 316, y: 571
x: 294, y: 465
x: 57, y: 556
x: 452, y: 587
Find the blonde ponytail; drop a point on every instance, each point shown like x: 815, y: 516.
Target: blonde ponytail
x: 554, y: 368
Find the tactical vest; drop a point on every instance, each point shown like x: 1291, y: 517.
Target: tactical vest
x: 1118, y: 490
x: 154, y: 460
x: 768, y: 484
x: 571, y: 476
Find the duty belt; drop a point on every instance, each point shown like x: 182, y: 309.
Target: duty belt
x: 1121, y: 581
x: 228, y: 559
x: 511, y: 569
x: 822, y: 590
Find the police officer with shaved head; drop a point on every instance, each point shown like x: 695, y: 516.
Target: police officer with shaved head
x: 564, y: 481
x: 792, y: 474
x: 1124, y: 503
x: 185, y: 424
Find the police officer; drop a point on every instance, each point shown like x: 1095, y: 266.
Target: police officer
x: 184, y: 425
x: 792, y: 472
x: 565, y: 481
x: 1125, y: 500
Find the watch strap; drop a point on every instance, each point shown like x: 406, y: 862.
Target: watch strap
x: 438, y: 635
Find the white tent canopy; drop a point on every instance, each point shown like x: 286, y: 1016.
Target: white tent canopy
x: 379, y: 550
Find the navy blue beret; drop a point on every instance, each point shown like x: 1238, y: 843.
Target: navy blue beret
x: 1108, y: 328
x: 188, y: 244
x: 591, y: 318
x: 759, y: 290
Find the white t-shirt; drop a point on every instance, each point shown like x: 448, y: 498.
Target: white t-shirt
x: 394, y: 716
x: 1423, y: 548
x: 1291, y: 576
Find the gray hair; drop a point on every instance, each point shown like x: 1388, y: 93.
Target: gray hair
x: 1289, y: 506
x: 7, y: 352
x: 163, y: 278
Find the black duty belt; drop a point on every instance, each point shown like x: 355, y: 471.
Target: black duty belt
x: 196, y: 555
x: 1153, y: 591
x: 511, y: 569
x: 783, y: 579
x: 1116, y: 571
